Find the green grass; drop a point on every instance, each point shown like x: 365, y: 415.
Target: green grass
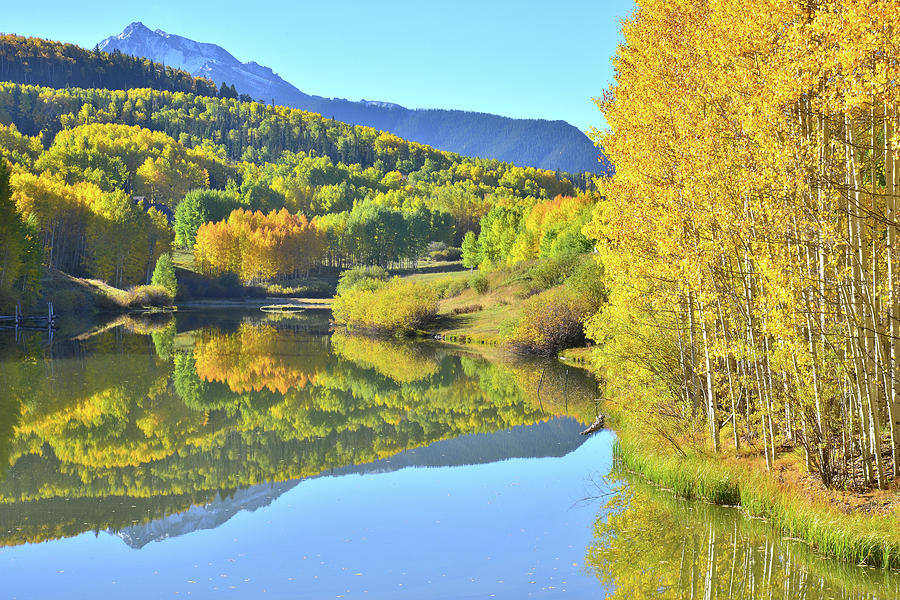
x: 184, y: 259
x: 501, y: 305
x: 480, y: 327
x: 855, y: 538
x: 501, y: 301
x: 438, y: 276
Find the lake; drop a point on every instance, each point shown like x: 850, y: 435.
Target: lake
x: 242, y: 455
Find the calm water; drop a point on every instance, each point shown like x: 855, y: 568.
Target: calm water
x: 247, y: 457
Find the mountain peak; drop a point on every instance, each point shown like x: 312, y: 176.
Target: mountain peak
x: 135, y: 27
x: 135, y: 32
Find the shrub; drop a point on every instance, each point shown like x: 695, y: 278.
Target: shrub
x: 308, y: 289
x: 568, y: 242
x: 361, y: 277
x: 479, y: 282
x: 449, y: 287
x: 550, y: 321
x: 446, y: 255
x: 456, y: 288
x: 227, y: 285
x: 394, y: 306
x: 144, y: 296
x: 552, y: 272
x: 469, y: 308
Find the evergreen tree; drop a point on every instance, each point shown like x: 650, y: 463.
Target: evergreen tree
x: 164, y: 274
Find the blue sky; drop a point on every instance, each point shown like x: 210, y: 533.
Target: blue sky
x: 520, y: 59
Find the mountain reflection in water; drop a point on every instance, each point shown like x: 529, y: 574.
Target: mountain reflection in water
x: 139, y: 423
x: 557, y: 437
x: 266, y: 457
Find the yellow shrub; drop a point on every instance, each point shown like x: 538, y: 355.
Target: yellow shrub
x: 395, y: 306
x: 551, y: 321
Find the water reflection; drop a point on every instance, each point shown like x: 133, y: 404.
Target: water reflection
x: 141, y: 420
x: 652, y: 545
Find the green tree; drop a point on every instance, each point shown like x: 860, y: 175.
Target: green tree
x: 11, y: 238
x: 471, y: 252
x: 20, y: 248
x: 199, y: 207
x: 164, y: 274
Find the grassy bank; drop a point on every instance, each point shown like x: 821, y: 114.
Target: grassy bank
x: 79, y: 296
x: 857, y: 537
x: 478, y: 308
x: 532, y: 307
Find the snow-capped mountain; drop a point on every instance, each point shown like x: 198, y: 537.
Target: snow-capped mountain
x: 525, y: 142
x: 204, y: 60
x: 204, y: 516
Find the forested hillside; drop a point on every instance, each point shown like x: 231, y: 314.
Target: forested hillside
x: 99, y: 180
x: 524, y: 142
x: 42, y: 62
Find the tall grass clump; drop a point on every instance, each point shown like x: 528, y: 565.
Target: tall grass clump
x: 446, y: 255
x: 687, y: 477
x: 479, y: 282
x: 551, y: 272
x: 396, y: 306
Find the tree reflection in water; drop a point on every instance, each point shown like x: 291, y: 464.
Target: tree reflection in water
x: 138, y: 422
x: 649, y: 544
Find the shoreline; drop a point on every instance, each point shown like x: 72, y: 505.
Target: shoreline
x: 857, y: 527
x: 856, y: 537
x: 194, y: 304
x: 853, y: 536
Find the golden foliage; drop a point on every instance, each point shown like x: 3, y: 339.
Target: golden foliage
x: 754, y: 206
x: 257, y: 246
x: 395, y: 306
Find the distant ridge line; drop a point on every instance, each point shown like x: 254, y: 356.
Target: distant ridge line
x: 552, y: 145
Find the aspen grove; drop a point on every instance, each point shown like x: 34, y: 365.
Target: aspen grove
x: 749, y: 233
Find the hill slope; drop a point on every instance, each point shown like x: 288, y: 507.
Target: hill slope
x: 524, y: 142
